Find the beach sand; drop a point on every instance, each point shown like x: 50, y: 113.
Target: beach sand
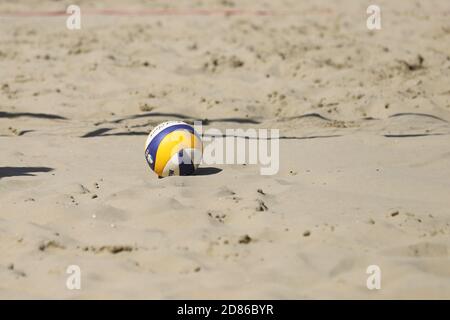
x: 364, y: 175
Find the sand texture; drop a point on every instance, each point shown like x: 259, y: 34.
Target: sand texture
x: 364, y: 173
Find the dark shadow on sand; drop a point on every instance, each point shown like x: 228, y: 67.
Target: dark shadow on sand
x: 96, y: 133
x: 270, y: 138
x: 206, y: 171
x: 22, y: 171
x: 128, y: 133
x: 31, y: 115
x: 309, y: 115
x: 185, y: 117
x: 102, y: 133
x: 418, y: 115
x: 413, y: 135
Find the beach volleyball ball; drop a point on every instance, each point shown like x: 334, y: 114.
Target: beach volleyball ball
x: 173, y: 148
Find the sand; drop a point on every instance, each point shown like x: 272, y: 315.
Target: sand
x: 364, y: 174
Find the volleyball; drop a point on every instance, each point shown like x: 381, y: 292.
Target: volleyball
x: 173, y: 148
